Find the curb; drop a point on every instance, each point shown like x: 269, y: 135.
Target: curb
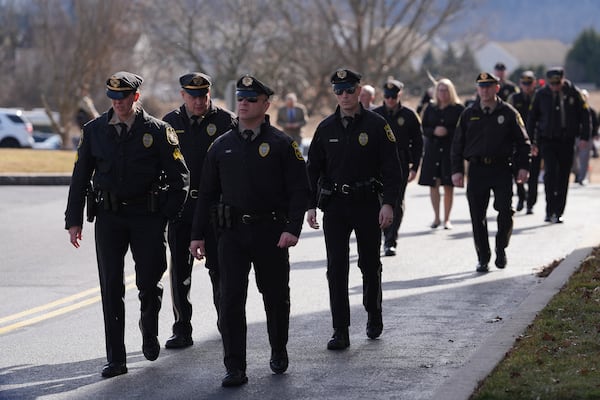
x: 35, y: 179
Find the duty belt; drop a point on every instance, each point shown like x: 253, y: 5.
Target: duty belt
x: 273, y: 216
x: 490, y: 160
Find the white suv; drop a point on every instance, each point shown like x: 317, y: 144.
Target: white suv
x: 15, y: 130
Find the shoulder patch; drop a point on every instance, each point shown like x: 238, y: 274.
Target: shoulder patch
x: 177, y: 154
x: 520, y: 120
x: 297, y: 151
x: 172, y: 136
x: 389, y: 133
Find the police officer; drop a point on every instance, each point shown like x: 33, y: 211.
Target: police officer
x: 139, y: 180
x: 507, y: 87
x: 491, y: 136
x: 352, y: 162
x: 255, y: 189
x: 406, y: 125
x: 521, y: 101
x: 198, y: 122
x: 559, y: 114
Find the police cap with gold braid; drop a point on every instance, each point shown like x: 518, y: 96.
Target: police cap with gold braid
x: 122, y: 84
x: 195, y: 83
x: 249, y: 86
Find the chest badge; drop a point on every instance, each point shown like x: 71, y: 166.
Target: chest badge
x: 500, y: 119
x: 363, y: 139
x: 211, y: 129
x: 147, y: 140
x: 263, y: 149
x: 400, y: 121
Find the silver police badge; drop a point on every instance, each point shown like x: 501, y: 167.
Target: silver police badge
x: 211, y: 129
x: 341, y: 73
x: 264, y: 149
x: 147, y: 140
x: 363, y: 139
x: 247, y: 81
x: 400, y: 121
x: 500, y: 119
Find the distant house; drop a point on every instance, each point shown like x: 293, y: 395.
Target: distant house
x: 521, y: 53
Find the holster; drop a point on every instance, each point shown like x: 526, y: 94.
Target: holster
x: 325, y: 189
x: 91, y: 203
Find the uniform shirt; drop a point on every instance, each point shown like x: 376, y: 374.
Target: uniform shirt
x: 195, y: 141
x: 544, y: 115
x: 367, y: 149
x: 506, y: 89
x: 406, y: 125
x: 521, y: 102
x: 500, y: 135
x: 127, y: 164
x: 261, y: 176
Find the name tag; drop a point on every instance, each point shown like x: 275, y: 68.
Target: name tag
x: 333, y: 140
x: 227, y: 151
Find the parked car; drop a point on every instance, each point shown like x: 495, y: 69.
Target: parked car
x: 43, y: 135
x: 15, y: 129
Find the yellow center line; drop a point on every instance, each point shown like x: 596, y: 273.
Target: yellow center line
x: 59, y: 311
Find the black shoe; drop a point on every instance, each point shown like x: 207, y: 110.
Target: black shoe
x: 279, y: 361
x: 529, y: 211
x: 234, y: 377
x: 547, y: 219
x: 520, y: 205
x: 374, y: 325
x: 390, y: 251
x: 114, y: 369
x: 150, y: 345
x: 555, y: 219
x: 482, y: 267
x: 340, y: 340
x: 500, y: 258
x: 178, y: 341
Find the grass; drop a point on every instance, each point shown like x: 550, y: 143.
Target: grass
x: 29, y: 160
x: 558, y: 357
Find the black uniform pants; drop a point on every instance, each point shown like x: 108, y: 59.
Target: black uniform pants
x: 343, y: 216
x: 558, y: 159
x: 483, y: 179
x: 180, y: 273
x: 532, y: 182
x: 238, y: 248
x: 390, y: 233
x: 131, y: 227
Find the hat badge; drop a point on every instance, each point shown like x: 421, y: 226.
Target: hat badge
x: 484, y: 76
x: 197, y: 80
x: 114, y: 82
x: 247, y: 81
x: 341, y: 73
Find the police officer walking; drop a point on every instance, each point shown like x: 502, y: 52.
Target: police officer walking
x: 352, y: 163
x: 139, y: 180
x: 406, y: 125
x: 559, y: 114
x: 198, y: 122
x: 491, y: 136
x: 254, y: 188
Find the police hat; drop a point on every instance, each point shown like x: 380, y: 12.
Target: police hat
x: 500, y: 66
x: 344, y: 78
x: 195, y: 83
x: 122, y: 84
x: 392, y: 87
x: 249, y: 86
x: 486, y: 79
x: 527, y: 77
x: 555, y: 74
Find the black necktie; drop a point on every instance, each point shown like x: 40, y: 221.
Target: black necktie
x: 247, y: 134
x: 486, y: 110
x: 122, y: 128
x: 348, y: 121
x: 195, y: 121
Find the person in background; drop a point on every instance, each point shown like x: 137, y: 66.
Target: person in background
x: 439, y: 123
x: 367, y: 97
x: 583, y: 152
x: 198, y: 122
x: 292, y: 117
x: 490, y: 135
x: 521, y: 101
x: 355, y: 178
x: 254, y: 191
x: 139, y: 180
x: 406, y: 125
x: 507, y: 87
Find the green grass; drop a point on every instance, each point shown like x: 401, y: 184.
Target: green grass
x: 558, y: 357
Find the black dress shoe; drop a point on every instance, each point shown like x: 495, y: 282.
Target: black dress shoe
x: 374, y: 325
x: 113, y: 369
x: 340, y: 340
x: 234, y: 377
x: 279, y: 361
x: 500, y: 258
x: 555, y: 219
x: 547, y: 219
x: 150, y: 347
x: 529, y: 211
x: 482, y: 267
x: 520, y: 205
x: 390, y: 251
x: 178, y: 341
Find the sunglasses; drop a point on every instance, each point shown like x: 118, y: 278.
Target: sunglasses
x: 248, y: 99
x: 349, y: 90
x: 390, y: 96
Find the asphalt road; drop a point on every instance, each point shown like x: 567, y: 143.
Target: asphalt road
x: 446, y: 326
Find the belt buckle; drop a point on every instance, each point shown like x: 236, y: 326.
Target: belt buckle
x: 487, y: 160
x: 345, y: 189
x: 194, y: 193
x: 246, y: 219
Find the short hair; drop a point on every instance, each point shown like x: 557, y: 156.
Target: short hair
x: 369, y: 89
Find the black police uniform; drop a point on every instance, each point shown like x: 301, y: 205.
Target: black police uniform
x: 491, y: 143
x: 507, y: 87
x: 406, y: 125
x: 555, y: 137
x: 194, y: 139
x: 348, y: 162
x: 257, y: 189
x: 521, y: 102
x: 132, y: 211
